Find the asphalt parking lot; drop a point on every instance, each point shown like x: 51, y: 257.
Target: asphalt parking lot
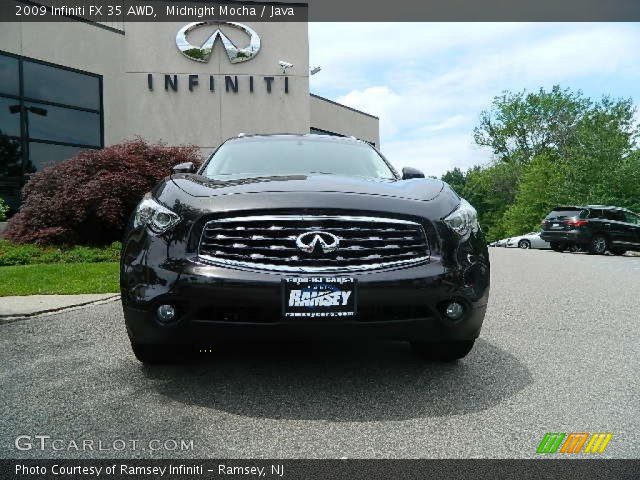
x: 560, y: 352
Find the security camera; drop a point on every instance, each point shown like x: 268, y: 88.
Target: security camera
x: 284, y: 65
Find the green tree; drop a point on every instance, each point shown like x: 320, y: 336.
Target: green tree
x: 539, y: 191
x: 596, y: 167
x: 456, y: 179
x: 558, y: 123
x: 551, y: 147
x: 522, y: 125
x: 491, y: 190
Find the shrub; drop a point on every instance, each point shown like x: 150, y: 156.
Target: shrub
x: 17, y: 254
x: 4, y: 208
x: 88, y: 199
x: 28, y: 254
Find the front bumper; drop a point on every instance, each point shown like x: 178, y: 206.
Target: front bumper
x: 215, y: 303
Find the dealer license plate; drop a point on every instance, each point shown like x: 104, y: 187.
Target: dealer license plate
x: 319, y: 297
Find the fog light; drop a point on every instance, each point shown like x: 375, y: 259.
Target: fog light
x: 166, y: 313
x: 454, y: 311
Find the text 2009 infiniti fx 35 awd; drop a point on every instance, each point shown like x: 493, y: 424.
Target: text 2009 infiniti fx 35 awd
x: 302, y: 236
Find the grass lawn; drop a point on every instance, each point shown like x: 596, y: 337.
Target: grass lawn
x: 59, y: 278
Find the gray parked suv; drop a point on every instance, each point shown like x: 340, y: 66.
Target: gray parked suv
x: 596, y: 228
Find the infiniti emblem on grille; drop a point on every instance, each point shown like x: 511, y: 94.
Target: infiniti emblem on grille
x: 311, y: 242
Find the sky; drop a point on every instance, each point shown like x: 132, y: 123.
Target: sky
x: 429, y: 82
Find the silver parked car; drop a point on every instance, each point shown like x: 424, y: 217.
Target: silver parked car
x: 528, y: 240
x: 500, y: 243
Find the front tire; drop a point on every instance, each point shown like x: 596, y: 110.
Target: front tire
x: 159, y: 354
x: 524, y: 244
x: 443, y: 351
x: 599, y: 245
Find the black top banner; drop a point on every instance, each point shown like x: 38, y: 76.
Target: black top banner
x: 320, y: 10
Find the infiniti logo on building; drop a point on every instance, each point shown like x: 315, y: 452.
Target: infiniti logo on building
x: 311, y: 242
x: 203, y: 52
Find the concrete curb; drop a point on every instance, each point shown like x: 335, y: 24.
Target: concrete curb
x: 6, y: 319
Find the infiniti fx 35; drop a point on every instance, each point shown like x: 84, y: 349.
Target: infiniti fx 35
x: 302, y: 236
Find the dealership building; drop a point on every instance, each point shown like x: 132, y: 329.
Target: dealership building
x: 69, y: 86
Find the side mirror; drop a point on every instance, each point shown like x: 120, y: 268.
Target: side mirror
x: 410, y: 172
x: 187, y: 167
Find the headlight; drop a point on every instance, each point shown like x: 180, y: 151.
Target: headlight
x: 158, y: 218
x: 463, y: 220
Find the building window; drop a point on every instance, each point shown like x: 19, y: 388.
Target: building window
x: 48, y: 113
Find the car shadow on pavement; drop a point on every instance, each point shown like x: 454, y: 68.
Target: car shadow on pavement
x: 341, y: 382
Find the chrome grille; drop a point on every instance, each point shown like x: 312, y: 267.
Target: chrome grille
x: 269, y: 242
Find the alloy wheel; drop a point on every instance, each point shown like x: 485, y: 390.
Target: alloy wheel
x: 599, y: 245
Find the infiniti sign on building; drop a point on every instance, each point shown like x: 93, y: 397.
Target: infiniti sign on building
x: 195, y: 83
x: 203, y: 52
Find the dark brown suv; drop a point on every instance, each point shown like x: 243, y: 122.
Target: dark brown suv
x: 596, y: 228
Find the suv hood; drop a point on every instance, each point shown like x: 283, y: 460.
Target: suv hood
x: 415, y: 189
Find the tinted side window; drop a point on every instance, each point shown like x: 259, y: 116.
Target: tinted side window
x: 9, y: 80
x: 631, y: 218
x: 43, y: 82
x: 10, y: 158
x: 65, y: 125
x: 614, y: 215
x: 43, y: 155
x: 595, y: 214
x: 47, y: 114
x: 9, y: 117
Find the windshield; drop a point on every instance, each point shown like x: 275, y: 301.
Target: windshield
x: 295, y: 156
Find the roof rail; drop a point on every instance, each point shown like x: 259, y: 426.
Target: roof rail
x: 609, y: 207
